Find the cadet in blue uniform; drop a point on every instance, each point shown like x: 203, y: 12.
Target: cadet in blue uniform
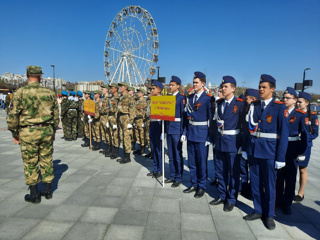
x: 303, y: 103
x: 174, y: 131
x: 198, y: 108
x: 267, y: 146
x: 251, y: 95
x: 229, y: 116
x: 155, y: 136
x: 297, y: 146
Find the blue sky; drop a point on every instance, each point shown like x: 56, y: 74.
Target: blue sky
x: 241, y: 38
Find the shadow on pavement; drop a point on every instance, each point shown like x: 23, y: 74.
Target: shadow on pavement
x: 58, y: 170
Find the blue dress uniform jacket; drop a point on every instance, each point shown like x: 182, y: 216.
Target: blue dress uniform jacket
x: 269, y: 145
x: 298, y: 145
x: 228, y: 141
x: 197, y: 133
x: 174, y: 130
x: 313, y: 135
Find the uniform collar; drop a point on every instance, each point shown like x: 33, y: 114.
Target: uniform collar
x: 266, y: 102
x: 174, y: 94
x: 290, y: 110
x: 230, y: 100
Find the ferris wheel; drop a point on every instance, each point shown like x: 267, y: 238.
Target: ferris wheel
x: 132, y: 47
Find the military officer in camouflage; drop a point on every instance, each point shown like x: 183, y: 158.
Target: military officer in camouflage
x: 86, y: 143
x: 96, y: 121
x: 147, y: 123
x: 126, y: 114
x: 64, y: 110
x: 71, y: 118
x: 104, y: 124
x: 141, y: 108
x: 132, y: 130
x: 113, y: 123
x: 80, y: 115
x: 32, y: 119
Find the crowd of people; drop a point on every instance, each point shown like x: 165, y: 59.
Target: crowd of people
x: 258, y: 142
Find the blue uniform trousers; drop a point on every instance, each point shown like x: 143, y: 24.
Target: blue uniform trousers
x: 156, y: 147
x: 263, y: 179
x: 197, y: 160
x: 228, y: 174
x: 175, y: 156
x: 244, y: 175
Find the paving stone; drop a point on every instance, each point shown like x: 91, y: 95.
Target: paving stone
x: 197, y: 222
x: 198, y: 207
x: 124, y: 232
x: 127, y: 174
x: 192, y: 235
x: 139, y: 182
x: 164, y: 220
x: 35, y: 211
x: 168, y: 193
x: 301, y: 230
x: 120, y: 181
x: 16, y: 228
x: 99, y: 215
x: 160, y: 233
x: 10, y: 208
x: 108, y: 201
x: 66, y: 213
x: 141, y: 192
x: 131, y: 217
x: 137, y: 203
x: 48, y: 230
x: 117, y: 191
x: 86, y: 231
x: 165, y: 205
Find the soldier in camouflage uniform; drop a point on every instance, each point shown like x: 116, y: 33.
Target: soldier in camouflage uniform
x: 104, y: 124
x: 80, y: 115
x: 86, y: 143
x: 126, y: 114
x: 147, y: 123
x: 132, y: 130
x: 141, y: 108
x: 71, y: 117
x: 64, y: 109
x: 33, y: 119
x: 96, y: 121
x: 8, y: 100
x: 113, y: 123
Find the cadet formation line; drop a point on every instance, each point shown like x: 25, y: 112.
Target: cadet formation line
x: 258, y: 143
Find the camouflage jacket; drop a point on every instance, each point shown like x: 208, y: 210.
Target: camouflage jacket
x: 32, y: 105
x: 64, y: 107
x: 98, y: 105
x: 141, y: 108
x: 126, y: 106
x: 81, y: 106
x: 105, y: 106
x: 113, y: 105
x: 148, y: 110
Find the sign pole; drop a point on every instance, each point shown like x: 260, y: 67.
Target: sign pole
x: 162, y: 153
x: 90, y: 135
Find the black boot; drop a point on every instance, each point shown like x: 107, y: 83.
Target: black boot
x: 133, y: 146
x: 149, y: 155
x: 143, y: 151
x: 108, y: 151
x: 114, y: 153
x: 47, y: 191
x: 96, y: 147
x: 34, y: 196
x: 126, y: 158
x: 138, y: 151
x: 86, y: 143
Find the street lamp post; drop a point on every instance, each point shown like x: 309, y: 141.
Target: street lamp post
x: 304, y: 78
x: 54, y: 80
x: 243, y: 87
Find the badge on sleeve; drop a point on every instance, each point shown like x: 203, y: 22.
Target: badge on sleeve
x: 286, y: 113
x: 235, y: 108
x: 269, y: 118
x: 317, y: 122
x: 292, y: 119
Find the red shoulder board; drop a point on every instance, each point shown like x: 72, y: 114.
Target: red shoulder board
x: 300, y: 111
x: 278, y: 102
x: 208, y: 94
x: 241, y: 100
x: 313, y: 113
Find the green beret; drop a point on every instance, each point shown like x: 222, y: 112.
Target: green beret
x: 97, y: 92
x: 34, y: 70
x: 141, y: 90
x: 130, y: 88
x: 123, y: 84
x: 114, y: 85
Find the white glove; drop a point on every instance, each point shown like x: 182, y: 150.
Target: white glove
x: 75, y: 99
x: 279, y: 165
x: 89, y: 120
x: 107, y: 125
x: 183, y: 138
x: 244, y: 155
x: 207, y: 144
x: 129, y: 126
x: 142, y: 125
x: 301, y: 158
x: 240, y: 150
x: 70, y: 98
x: 114, y: 126
x: 82, y: 119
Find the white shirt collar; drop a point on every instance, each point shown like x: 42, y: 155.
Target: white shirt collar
x: 174, y: 94
x: 198, y: 94
x: 290, y: 110
x: 229, y: 101
x: 266, y: 102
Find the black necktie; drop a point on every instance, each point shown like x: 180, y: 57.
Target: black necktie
x: 263, y: 105
x: 195, y: 98
x: 226, y: 107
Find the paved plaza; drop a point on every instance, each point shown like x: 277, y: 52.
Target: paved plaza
x: 97, y: 198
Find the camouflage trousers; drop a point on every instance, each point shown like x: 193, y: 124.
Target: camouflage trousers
x: 114, y: 132
x: 95, y: 128
x: 86, y: 127
x: 36, y: 150
x: 64, y: 124
x: 80, y: 128
x: 71, y: 124
x: 105, y: 132
x: 123, y: 123
x: 139, y: 131
x: 146, y: 133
